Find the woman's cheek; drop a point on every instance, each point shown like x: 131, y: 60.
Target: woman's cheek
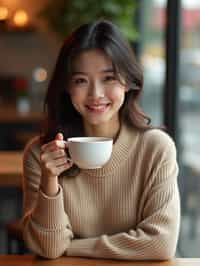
x: 73, y: 93
x: 117, y: 96
x: 76, y: 96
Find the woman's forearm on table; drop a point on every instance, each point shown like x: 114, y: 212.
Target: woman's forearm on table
x: 47, y: 229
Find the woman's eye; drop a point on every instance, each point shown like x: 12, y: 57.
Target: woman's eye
x: 109, y: 78
x: 79, y: 81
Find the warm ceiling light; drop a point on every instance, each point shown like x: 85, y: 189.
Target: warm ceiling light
x: 40, y: 74
x: 3, y: 13
x: 20, y: 18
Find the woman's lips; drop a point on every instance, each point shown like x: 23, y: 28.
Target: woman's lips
x: 97, y: 108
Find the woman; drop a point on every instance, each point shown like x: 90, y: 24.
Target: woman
x: 129, y: 208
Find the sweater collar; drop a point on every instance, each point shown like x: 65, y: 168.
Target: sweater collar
x: 121, y: 148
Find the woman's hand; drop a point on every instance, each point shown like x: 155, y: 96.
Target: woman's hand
x: 54, y: 161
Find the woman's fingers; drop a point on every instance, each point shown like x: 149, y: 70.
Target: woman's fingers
x: 57, y: 167
x: 64, y: 167
x: 58, y: 170
x: 54, y: 145
x: 54, y: 158
x: 62, y: 161
x: 48, y: 155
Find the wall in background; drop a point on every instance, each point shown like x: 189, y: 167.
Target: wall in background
x: 22, y: 52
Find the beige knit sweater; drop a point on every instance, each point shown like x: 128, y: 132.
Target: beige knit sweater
x: 129, y: 209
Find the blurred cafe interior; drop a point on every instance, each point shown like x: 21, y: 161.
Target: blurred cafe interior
x: 165, y: 35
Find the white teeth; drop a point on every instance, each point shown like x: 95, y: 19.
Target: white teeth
x: 97, y: 107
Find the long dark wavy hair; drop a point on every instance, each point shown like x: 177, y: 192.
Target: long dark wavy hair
x: 60, y: 114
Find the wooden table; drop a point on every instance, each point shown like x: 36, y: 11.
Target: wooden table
x: 11, y: 168
x: 74, y: 261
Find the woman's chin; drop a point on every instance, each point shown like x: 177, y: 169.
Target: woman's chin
x: 96, y: 123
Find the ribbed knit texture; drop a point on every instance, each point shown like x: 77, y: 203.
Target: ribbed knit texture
x: 129, y: 209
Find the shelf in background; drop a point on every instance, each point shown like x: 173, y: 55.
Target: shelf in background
x: 9, y: 114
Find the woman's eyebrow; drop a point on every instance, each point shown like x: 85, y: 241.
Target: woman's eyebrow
x: 107, y: 70
x: 78, y: 73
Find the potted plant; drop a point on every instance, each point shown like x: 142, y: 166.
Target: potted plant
x: 64, y: 16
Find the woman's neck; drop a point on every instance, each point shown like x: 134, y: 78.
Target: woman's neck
x: 105, y: 130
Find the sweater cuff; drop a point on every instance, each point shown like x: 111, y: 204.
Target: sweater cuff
x: 82, y: 247
x: 49, y: 211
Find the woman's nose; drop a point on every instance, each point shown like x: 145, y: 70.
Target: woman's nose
x: 96, y: 90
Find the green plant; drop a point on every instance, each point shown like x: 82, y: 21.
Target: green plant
x: 63, y: 16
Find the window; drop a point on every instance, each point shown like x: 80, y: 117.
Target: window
x: 188, y: 129
x: 153, y: 57
x: 189, y: 115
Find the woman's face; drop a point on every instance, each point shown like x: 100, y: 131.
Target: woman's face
x: 95, y: 91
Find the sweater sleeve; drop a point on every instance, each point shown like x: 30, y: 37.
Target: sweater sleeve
x: 155, y: 236
x: 46, y: 227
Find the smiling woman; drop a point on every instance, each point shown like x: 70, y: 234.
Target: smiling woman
x: 127, y: 209
x: 96, y: 92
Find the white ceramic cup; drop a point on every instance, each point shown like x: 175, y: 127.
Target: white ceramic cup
x: 90, y: 152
